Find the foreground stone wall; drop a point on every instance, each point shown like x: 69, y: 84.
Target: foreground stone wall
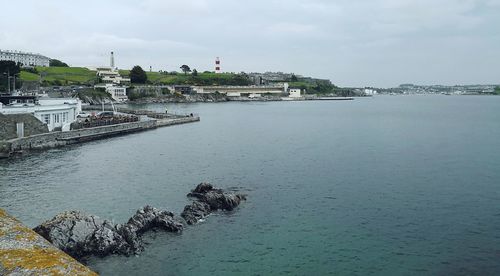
x: 32, y: 126
x: 24, y: 252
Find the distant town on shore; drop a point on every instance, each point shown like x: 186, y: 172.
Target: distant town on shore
x: 46, y: 103
x: 24, y: 72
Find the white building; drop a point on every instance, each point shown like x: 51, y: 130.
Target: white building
x: 370, y: 92
x: 26, y: 59
x: 110, y: 75
x: 55, y: 112
x: 294, y: 92
x: 118, y: 93
x: 240, y: 91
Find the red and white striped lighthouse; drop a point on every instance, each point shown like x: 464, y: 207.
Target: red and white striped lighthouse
x: 217, y: 65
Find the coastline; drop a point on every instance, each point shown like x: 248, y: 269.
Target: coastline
x: 196, y: 98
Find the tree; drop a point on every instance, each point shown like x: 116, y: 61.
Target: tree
x: 8, y: 66
x: 185, y: 69
x: 57, y: 63
x: 195, y: 73
x: 294, y: 78
x: 137, y: 75
x: 497, y: 90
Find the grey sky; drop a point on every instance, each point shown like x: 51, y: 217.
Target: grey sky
x: 354, y: 43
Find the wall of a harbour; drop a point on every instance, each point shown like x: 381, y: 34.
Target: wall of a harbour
x: 58, y: 138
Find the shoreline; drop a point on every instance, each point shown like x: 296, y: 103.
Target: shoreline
x: 198, y: 99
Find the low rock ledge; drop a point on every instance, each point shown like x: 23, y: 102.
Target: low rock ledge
x: 209, y: 199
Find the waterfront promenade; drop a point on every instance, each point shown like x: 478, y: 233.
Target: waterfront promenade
x: 63, y: 138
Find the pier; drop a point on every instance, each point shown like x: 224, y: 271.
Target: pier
x: 62, y: 138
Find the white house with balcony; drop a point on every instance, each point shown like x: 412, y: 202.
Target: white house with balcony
x: 117, y: 92
x: 110, y: 75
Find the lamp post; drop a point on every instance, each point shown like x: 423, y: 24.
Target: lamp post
x: 8, y: 79
x: 14, y: 77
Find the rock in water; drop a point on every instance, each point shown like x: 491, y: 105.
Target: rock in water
x: 80, y: 235
x: 209, y: 200
x: 202, y: 188
x: 145, y: 219
x: 195, y: 211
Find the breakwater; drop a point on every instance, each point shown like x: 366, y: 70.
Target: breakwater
x: 62, y: 138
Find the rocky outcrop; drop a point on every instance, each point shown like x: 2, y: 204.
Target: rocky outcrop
x: 145, y: 219
x: 79, y: 234
x: 209, y: 199
x: 195, y: 211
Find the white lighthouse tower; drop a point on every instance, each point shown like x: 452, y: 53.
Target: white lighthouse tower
x: 112, y: 62
x: 217, y: 65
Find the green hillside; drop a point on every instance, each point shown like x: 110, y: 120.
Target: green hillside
x: 206, y: 78
x: 28, y: 76
x: 314, y: 86
x: 60, y: 75
x: 81, y: 76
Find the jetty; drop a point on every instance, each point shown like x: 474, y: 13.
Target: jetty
x: 89, y: 132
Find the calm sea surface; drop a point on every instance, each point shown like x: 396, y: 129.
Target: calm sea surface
x: 385, y: 186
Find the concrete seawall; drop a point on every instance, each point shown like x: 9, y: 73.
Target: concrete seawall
x: 58, y: 138
x: 24, y: 252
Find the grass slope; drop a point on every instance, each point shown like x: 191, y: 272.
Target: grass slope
x: 61, y: 75
x: 202, y: 78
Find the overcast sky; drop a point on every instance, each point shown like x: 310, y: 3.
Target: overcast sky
x: 380, y: 43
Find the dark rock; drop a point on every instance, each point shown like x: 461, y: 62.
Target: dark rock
x: 148, y: 217
x: 209, y: 199
x: 79, y: 234
x: 145, y: 219
x: 195, y: 211
x: 202, y: 188
x: 222, y: 201
x: 216, y: 198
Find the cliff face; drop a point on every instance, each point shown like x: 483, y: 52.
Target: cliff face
x: 32, y: 126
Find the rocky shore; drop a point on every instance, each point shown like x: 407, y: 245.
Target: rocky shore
x: 81, y: 235
x: 205, y: 98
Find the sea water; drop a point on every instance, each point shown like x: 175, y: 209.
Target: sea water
x: 388, y: 185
